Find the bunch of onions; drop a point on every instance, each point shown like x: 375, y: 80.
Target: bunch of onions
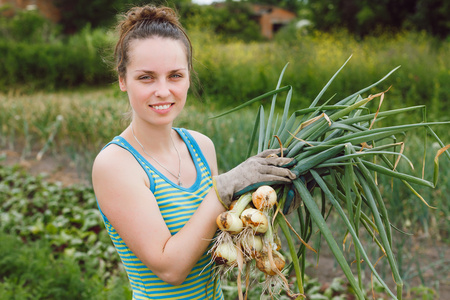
x: 339, y: 150
x: 247, y: 235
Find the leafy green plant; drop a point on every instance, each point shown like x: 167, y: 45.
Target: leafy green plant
x: 29, y: 27
x: 32, y: 271
x: 339, y: 151
x: 67, y: 218
x: 55, y: 63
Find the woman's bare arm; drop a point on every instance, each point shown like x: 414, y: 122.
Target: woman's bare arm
x: 122, y: 190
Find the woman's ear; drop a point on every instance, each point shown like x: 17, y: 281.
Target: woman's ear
x: 122, y: 84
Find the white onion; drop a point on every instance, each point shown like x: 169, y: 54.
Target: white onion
x: 252, y: 245
x: 264, y: 197
x: 225, y: 254
x: 255, y: 219
x: 230, y: 222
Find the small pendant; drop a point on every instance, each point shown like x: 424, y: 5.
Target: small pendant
x: 179, y: 182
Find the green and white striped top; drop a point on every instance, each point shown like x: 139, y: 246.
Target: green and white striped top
x: 177, y: 204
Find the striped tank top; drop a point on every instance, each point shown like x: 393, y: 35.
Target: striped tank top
x: 177, y: 204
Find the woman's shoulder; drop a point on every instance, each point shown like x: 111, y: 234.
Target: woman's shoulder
x: 204, y: 142
x: 113, y: 160
x: 207, y: 147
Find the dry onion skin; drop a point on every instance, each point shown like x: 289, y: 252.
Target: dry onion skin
x: 265, y: 197
x: 264, y: 265
x: 255, y: 219
x: 226, y: 254
x: 252, y: 245
x: 229, y: 222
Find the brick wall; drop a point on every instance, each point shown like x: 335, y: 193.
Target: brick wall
x: 272, y: 18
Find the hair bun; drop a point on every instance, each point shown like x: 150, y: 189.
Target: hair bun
x: 146, y: 22
x: 150, y: 14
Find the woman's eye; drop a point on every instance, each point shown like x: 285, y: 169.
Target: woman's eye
x: 145, y: 77
x: 176, y: 76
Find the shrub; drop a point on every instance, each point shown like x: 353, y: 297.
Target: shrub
x: 57, y: 64
x: 66, y: 218
x: 28, y: 27
x: 31, y: 271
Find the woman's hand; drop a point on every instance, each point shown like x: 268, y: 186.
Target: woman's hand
x: 267, y: 166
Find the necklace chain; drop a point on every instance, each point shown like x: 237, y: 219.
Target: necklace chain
x: 179, y: 157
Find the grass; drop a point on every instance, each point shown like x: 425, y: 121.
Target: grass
x: 32, y: 271
x: 92, y: 117
x: 314, y: 57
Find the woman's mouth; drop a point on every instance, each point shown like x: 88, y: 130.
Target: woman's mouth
x: 160, y: 107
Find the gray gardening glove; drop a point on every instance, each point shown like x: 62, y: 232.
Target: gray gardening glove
x: 263, y: 167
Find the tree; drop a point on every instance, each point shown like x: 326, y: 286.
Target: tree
x: 364, y: 17
x: 232, y: 19
x: 432, y: 16
x: 76, y: 14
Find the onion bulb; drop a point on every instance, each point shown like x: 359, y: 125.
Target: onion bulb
x: 255, y: 219
x: 264, y: 197
x: 232, y: 204
x: 225, y: 254
x: 228, y: 221
x: 252, y: 245
x: 263, y: 262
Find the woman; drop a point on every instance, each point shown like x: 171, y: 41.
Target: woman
x: 154, y: 183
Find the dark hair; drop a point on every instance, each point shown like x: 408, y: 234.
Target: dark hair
x: 145, y: 22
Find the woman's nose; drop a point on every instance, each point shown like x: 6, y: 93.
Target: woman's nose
x: 162, y: 89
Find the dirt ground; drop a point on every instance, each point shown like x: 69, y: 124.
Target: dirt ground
x: 432, y: 256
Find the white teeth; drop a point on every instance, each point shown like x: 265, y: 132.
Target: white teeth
x: 161, y: 106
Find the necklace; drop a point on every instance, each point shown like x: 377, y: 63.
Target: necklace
x: 179, y: 157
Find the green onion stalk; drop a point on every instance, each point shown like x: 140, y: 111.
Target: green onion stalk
x: 339, y: 150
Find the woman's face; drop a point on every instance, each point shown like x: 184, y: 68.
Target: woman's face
x: 157, y: 79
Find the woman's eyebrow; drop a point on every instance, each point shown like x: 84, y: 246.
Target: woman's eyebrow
x: 144, y: 71
x: 153, y: 72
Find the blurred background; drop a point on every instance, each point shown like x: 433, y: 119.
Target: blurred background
x: 60, y: 104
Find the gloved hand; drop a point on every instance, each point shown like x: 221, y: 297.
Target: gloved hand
x: 263, y: 167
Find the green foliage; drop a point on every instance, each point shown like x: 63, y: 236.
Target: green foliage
x: 56, y: 63
x: 28, y: 27
x: 368, y: 17
x: 229, y: 21
x: 314, y: 57
x: 292, y: 5
x: 76, y: 15
x: 407, y: 212
x: 65, y: 218
x: 32, y: 271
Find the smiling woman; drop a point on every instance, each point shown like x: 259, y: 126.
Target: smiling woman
x: 163, y: 73
x: 153, y: 182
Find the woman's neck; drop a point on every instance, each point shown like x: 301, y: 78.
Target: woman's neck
x: 154, y: 139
